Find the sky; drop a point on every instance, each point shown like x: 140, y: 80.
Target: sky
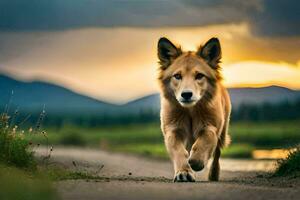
x: 107, y: 48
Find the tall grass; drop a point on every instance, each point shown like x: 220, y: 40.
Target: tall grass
x: 14, y: 148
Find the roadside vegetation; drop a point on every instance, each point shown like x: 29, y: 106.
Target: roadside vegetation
x: 19, y: 184
x: 14, y: 149
x: 19, y: 175
x: 290, y: 166
x: 24, y: 176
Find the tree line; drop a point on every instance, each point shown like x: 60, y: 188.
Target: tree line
x: 245, y: 112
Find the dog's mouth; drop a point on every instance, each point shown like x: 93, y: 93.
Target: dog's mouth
x: 184, y: 102
x: 187, y: 101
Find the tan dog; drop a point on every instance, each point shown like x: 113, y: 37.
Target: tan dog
x: 195, y: 107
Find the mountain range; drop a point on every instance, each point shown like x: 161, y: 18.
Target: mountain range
x: 57, y: 99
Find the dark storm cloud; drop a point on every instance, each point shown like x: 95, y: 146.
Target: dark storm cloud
x: 266, y: 17
x: 278, y: 18
x: 64, y: 14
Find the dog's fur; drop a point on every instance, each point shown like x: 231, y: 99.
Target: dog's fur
x: 194, y: 130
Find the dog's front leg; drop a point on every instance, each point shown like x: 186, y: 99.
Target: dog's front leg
x: 179, y: 156
x: 202, y: 149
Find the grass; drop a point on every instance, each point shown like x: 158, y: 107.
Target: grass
x: 266, y: 134
x: 289, y: 166
x: 150, y: 150
x: 105, y: 136
x: 57, y: 173
x: 146, y: 139
x: 14, y: 148
x: 19, y: 178
x: 19, y: 185
x: 159, y: 150
x: 238, y: 151
x: 73, y: 138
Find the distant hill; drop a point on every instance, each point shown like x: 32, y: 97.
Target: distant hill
x: 57, y: 99
x: 34, y: 95
x: 271, y: 94
x: 149, y: 102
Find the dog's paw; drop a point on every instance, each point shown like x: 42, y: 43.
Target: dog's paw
x: 184, y: 176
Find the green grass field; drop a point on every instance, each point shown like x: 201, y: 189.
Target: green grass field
x: 147, y: 139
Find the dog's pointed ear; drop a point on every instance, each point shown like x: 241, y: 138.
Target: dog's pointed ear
x: 167, y: 52
x: 211, y: 52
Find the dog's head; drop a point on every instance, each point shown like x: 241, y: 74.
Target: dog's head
x: 189, y: 76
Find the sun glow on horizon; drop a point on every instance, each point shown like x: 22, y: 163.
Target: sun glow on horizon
x: 259, y: 74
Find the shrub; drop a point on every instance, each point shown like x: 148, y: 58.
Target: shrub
x: 289, y: 166
x: 14, y: 149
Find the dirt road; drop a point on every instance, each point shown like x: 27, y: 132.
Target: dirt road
x: 131, y: 177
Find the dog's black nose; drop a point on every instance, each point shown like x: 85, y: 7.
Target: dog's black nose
x: 186, y: 95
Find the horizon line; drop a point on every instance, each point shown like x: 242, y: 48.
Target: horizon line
x: 118, y: 103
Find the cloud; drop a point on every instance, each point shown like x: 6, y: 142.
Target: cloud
x: 66, y: 14
x: 277, y: 18
x: 266, y: 17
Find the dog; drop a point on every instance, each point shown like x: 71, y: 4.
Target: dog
x: 195, y: 107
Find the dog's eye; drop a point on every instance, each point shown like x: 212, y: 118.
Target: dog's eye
x: 199, y: 76
x: 178, y: 76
